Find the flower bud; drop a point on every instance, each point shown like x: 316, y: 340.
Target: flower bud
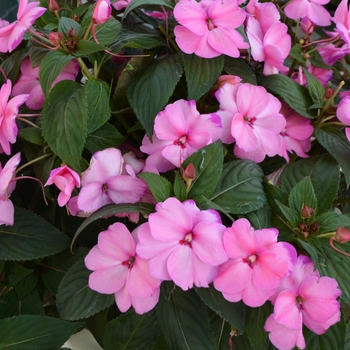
x: 189, y: 172
x: 328, y: 93
x: 227, y: 79
x: 71, y: 33
x: 53, y: 6
x: 342, y: 235
x: 55, y: 38
x: 102, y: 12
x: 307, y: 212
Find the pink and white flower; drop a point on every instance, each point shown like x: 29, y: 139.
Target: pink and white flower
x: 102, y: 12
x: 117, y: 269
x: 12, y: 34
x: 256, y: 266
x: 208, y: 28
x: 8, y: 114
x: 179, y: 131
x: 183, y: 243
x: 343, y: 114
x: 66, y: 180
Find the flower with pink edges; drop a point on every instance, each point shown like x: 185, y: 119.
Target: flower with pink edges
x: 321, y: 74
x: 208, y: 28
x: 302, y: 298
x: 8, y: 114
x: 102, y: 12
x: 103, y: 183
x: 183, y: 243
x: 296, y: 135
x: 343, y: 114
x: 119, y: 270
x: 29, y: 83
x: 65, y: 180
x: 179, y: 131
x: 311, y: 9
x: 6, y: 187
x: 256, y: 266
x: 251, y: 117
x: 12, y: 34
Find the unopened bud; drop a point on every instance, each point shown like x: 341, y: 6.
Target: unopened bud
x: 53, y: 6
x: 71, y: 33
x: 314, y: 227
x: 328, y: 93
x: 76, y: 18
x: 307, y: 56
x: 342, y: 235
x: 228, y: 79
x: 307, y: 212
x: 189, y: 172
x: 55, y: 38
x: 102, y: 12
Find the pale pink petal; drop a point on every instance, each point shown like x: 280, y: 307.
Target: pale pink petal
x: 296, y: 9
x: 226, y: 14
x: 203, y: 273
x: 91, y: 197
x: 125, y: 189
x: 7, y: 173
x: 254, y: 296
x: 318, y: 15
x: 255, y: 37
x: 175, y: 154
x: 343, y: 110
x: 244, y: 133
x: 123, y: 299
x: 143, y: 305
x: 6, y: 212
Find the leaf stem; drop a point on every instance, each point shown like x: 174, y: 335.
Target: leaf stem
x: 33, y: 161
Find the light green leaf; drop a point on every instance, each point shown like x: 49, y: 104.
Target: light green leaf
x: 292, y: 216
x: 316, y: 90
x: 74, y: 299
x: 149, y: 91
x: 160, y: 187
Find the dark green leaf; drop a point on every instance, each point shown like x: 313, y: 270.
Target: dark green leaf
x: 51, y: 67
x: 179, y: 187
x: 292, y: 216
x: 14, y: 273
x: 35, y: 332
x: 137, y: 3
x: 26, y: 285
x: 317, y: 60
x: 324, y: 173
x: 303, y: 194
x: 32, y: 135
x: 316, y: 90
x: 329, y: 222
x: 310, y: 249
x: 260, y: 218
x: 86, y: 47
x: 296, y: 53
x: 74, y: 299
x: 335, y: 142
x: 37, y: 54
x: 65, y: 24
x: 149, y: 92
x: 160, y: 187
x: 184, y: 322
x: 295, y: 95
x: 30, y: 237
x: 208, y: 165
x: 64, y: 121
x: 97, y: 96
x: 240, y: 68
x: 240, y: 189
x: 201, y: 74
x: 105, y: 137
x: 132, y: 332
x: 107, y: 32
x: 204, y: 203
x: 11, y: 65
x: 233, y: 313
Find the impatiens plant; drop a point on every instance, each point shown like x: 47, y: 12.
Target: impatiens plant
x: 192, y: 167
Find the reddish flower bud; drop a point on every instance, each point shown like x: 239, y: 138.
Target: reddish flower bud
x: 328, y: 93
x: 102, y: 12
x: 307, y: 212
x: 228, y: 79
x: 53, y: 6
x: 55, y: 38
x: 314, y: 227
x: 71, y: 33
x: 189, y: 172
x: 342, y: 235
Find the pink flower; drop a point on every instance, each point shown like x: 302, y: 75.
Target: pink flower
x: 29, y: 83
x: 208, y: 28
x: 227, y: 79
x: 342, y: 21
x: 303, y: 298
x: 6, y: 187
x: 312, y: 9
x: 183, y: 243
x: 121, y: 4
x: 66, y: 180
x: 4, y: 23
x: 120, y: 271
x: 102, y: 12
x: 103, y: 182
x: 250, y: 116
x: 179, y: 131
x: 8, y: 114
x: 256, y: 265
x: 343, y: 114
x: 271, y: 47
x: 11, y: 35
x: 296, y: 135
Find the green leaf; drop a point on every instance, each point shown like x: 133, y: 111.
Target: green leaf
x: 32, y: 135
x: 240, y: 189
x: 105, y: 137
x: 149, y: 91
x: 310, y: 249
x: 30, y: 237
x: 37, y: 54
x: 315, y: 88
x: 295, y: 95
x: 11, y: 65
x: 160, y: 187
x: 233, y: 313
x: 240, y: 68
x: 112, y: 209
x: 335, y: 142
x: 317, y: 60
x: 107, y: 32
x: 324, y: 173
x: 208, y: 165
x: 65, y: 24
x: 260, y: 218
x: 51, y: 66
x: 296, y: 53
x: 14, y: 273
x: 131, y: 331
x: 334, y: 338
x: 97, y: 96
x: 329, y: 222
x: 74, y: 299
x: 201, y: 74
x: 137, y: 3
x: 184, y: 322
x: 64, y: 121
x: 179, y: 187
x: 292, y: 216
x: 86, y: 47
x: 35, y: 332
x: 303, y: 194
x: 204, y: 203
